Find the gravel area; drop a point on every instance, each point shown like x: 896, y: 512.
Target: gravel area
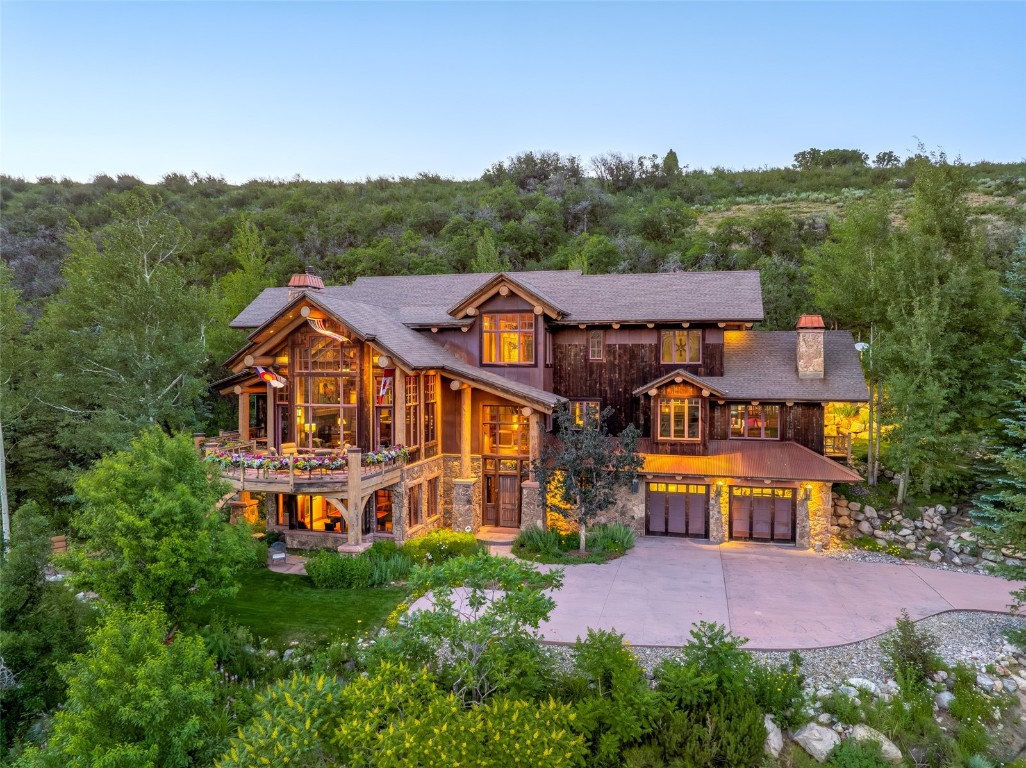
x: 867, y: 556
x: 969, y: 636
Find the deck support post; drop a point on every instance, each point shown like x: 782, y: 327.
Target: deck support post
x: 466, y: 430
x: 244, y: 416
x: 354, y: 493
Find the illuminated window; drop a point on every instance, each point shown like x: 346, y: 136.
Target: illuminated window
x: 680, y: 346
x: 504, y: 430
x: 412, y: 411
x: 596, y: 347
x: 508, y: 339
x: 430, y: 397
x: 755, y: 422
x: 585, y: 411
x: 325, y: 384
x: 680, y: 418
x: 414, y: 510
x: 383, y: 397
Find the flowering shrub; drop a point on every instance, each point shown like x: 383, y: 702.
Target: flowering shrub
x: 394, y: 455
x: 227, y: 459
x: 440, y: 545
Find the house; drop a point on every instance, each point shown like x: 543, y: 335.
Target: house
x: 463, y: 371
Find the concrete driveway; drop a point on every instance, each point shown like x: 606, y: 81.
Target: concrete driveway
x: 780, y: 598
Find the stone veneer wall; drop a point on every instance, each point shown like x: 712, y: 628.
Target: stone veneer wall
x: 532, y: 508
x: 416, y: 474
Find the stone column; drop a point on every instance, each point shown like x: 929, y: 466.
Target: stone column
x: 532, y: 509
x: 465, y: 511
x: 719, y: 511
x: 466, y: 431
x: 354, y: 493
x: 818, y: 509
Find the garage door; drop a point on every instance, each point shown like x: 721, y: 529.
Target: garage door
x: 677, y: 509
x: 762, y: 514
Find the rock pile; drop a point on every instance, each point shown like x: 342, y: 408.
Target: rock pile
x: 937, y: 534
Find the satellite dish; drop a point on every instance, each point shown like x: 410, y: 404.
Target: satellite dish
x: 861, y: 346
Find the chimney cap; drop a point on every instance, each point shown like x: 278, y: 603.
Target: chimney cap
x: 810, y: 322
x: 306, y: 279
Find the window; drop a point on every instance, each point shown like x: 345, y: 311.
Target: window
x: 414, y: 514
x: 757, y: 422
x: 681, y: 346
x: 383, y: 396
x: 430, y: 398
x: 504, y: 431
x: 680, y: 418
x: 596, y: 347
x: 325, y: 384
x: 585, y: 411
x: 412, y: 411
x: 508, y: 339
x: 431, y: 499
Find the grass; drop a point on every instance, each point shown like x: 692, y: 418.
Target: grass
x: 283, y: 607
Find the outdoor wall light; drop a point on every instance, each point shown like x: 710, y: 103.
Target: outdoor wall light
x: 635, y: 485
x: 384, y: 361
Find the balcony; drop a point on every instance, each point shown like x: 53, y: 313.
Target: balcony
x: 247, y: 467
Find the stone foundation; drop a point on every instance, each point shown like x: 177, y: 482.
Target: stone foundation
x: 466, y: 509
x: 532, y: 508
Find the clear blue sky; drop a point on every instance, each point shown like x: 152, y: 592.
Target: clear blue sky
x: 343, y: 91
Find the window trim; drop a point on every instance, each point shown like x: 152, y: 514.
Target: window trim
x: 745, y: 419
x: 599, y: 334
x: 535, y: 320
x: 688, y: 334
x: 689, y: 403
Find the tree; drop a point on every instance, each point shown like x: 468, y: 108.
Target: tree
x: 584, y: 466
x: 237, y: 289
x: 42, y: 625
x: 488, y: 258
x: 121, y: 346
x: 148, y: 532
x: 138, y: 696
x: 671, y: 165
x: 886, y: 160
x: 481, y: 630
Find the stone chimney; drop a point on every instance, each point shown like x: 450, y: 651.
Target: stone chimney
x: 810, y: 347
x: 304, y: 281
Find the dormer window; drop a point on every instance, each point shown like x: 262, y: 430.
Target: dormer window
x: 680, y: 346
x: 507, y: 338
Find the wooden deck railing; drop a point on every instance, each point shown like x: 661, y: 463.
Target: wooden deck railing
x: 837, y: 445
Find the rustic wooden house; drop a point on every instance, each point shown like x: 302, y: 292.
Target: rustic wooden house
x: 463, y: 371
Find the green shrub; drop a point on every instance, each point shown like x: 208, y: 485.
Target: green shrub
x: 778, y: 691
x: 259, y: 553
x: 910, y: 649
x: 546, y: 542
x: 440, y: 545
x: 330, y: 570
x: 382, y: 548
x: 610, y: 538
x: 847, y: 709
x: 389, y: 568
x: 852, y: 753
x: 618, y: 709
x: 973, y: 710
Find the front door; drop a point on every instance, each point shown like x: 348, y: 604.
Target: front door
x: 501, y: 492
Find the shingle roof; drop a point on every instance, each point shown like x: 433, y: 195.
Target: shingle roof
x: 753, y: 460
x: 655, y: 297
x: 762, y: 365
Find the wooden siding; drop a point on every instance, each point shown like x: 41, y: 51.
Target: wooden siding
x: 630, y: 360
x: 801, y: 423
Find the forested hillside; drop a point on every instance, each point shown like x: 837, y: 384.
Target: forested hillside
x: 117, y: 294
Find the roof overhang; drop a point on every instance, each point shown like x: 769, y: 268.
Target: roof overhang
x: 504, y: 282
x: 677, y: 377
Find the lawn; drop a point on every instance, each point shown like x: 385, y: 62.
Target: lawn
x: 283, y: 607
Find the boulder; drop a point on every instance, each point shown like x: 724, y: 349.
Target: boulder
x: 888, y: 749
x: 817, y: 740
x: 774, y: 738
x: 854, y: 506
x: 986, y: 682
x: 865, y: 527
x: 864, y: 685
x: 868, y: 511
x: 935, y: 556
x: 848, y: 691
x: 943, y: 699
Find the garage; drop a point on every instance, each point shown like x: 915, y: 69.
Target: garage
x: 762, y: 514
x: 677, y: 509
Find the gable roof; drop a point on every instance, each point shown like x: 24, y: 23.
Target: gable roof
x: 711, y: 384
x: 424, y: 300
x: 493, y: 286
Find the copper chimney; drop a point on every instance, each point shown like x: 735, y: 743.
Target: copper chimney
x: 304, y: 281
